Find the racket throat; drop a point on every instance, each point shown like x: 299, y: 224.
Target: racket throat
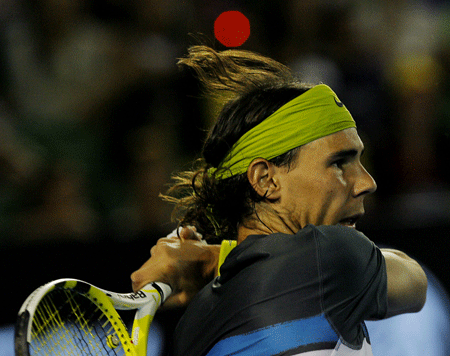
x: 135, y: 336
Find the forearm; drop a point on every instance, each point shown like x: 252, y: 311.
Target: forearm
x: 407, y: 283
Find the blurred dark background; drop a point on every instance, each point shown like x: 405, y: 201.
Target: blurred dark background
x: 94, y: 117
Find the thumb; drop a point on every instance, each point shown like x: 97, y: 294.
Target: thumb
x: 179, y: 300
x: 190, y: 233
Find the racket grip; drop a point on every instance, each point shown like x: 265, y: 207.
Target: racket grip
x: 163, y: 289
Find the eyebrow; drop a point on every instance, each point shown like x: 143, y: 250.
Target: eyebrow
x: 351, y: 153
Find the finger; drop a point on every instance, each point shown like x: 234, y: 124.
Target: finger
x: 190, y: 233
x: 198, y: 236
x: 158, y: 246
x: 193, y: 228
x: 176, y: 301
x: 166, y: 240
x: 137, y: 285
x: 136, y: 282
x: 142, y: 277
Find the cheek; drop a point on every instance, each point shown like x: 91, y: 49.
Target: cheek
x: 329, y: 194
x: 337, y: 188
x: 311, y: 193
x: 340, y: 180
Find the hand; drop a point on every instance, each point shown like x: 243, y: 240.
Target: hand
x: 186, y: 263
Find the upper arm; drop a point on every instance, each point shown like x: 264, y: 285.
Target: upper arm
x: 406, y: 283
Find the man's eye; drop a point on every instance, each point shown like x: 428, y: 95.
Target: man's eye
x: 339, y: 163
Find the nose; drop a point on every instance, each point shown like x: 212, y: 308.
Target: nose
x: 365, y: 184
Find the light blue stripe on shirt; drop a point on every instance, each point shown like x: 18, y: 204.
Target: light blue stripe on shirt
x: 277, y: 338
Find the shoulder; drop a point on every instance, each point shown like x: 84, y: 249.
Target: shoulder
x: 347, y: 253
x: 340, y: 234
x: 343, y: 241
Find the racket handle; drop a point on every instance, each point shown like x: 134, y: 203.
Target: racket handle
x: 163, y: 289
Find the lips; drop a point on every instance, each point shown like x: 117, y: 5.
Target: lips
x: 350, y: 221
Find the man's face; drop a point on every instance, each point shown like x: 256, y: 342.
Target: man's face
x: 327, y: 183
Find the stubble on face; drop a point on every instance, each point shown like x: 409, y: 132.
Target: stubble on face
x: 320, y: 188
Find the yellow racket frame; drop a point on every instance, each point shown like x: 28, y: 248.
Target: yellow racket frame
x: 145, y: 302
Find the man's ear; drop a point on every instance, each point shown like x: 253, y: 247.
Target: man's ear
x: 262, y: 177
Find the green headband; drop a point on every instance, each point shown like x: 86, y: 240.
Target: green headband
x: 312, y: 115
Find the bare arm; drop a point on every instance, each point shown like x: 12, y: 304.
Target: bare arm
x: 407, y: 283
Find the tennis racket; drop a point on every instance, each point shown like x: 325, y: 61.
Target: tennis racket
x: 72, y: 317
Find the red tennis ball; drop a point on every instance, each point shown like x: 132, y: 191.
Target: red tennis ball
x: 232, y: 28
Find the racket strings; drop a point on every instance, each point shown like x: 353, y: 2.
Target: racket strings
x: 68, y: 323
x: 48, y: 324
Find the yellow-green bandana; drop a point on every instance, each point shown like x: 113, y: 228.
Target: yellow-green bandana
x: 312, y: 115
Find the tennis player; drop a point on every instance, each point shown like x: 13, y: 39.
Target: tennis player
x: 281, y: 174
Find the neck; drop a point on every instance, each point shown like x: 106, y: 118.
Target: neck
x: 265, y: 221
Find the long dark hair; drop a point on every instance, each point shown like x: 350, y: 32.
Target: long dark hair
x: 250, y: 88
